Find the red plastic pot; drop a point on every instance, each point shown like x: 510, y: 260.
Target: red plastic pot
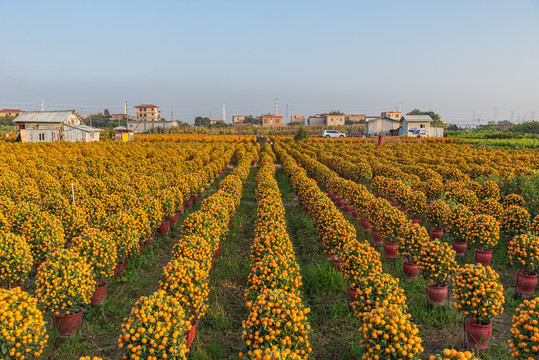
x: 190, y: 335
x: 120, y: 269
x: 417, y: 220
x: 188, y: 203
x: 164, y: 228
x: 100, y: 293
x: 174, y: 219
x: 253, y: 163
x: 299, y: 164
x: 217, y: 253
x: 377, y: 239
x: 436, y: 294
x: 390, y: 250
x: 352, y: 293
x: 337, y: 263
x: 526, y: 282
x: 340, y: 203
x: 411, y: 270
x: 459, y: 247
x: 365, y: 224
x: 347, y: 209
x: 68, y: 325
x: 477, y: 336
x: 330, y: 257
x: 355, y: 215
x: 483, y: 256
x: 306, y: 208
x: 436, y: 233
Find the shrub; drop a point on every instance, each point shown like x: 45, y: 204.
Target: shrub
x: 452, y: 354
x: 377, y: 290
x: 416, y: 204
x: 524, y: 252
x: 15, y: 259
x: 457, y: 221
x: 437, y: 212
x: 482, y: 231
x: 515, y: 220
x: 525, y: 335
x: 99, y: 250
x: 45, y: 234
x: 359, y: 260
x: 437, y: 263
x: 411, y: 240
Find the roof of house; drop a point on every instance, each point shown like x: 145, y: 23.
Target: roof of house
x: 44, y: 116
x: 10, y: 110
x: 417, y: 118
x: 147, y: 105
x: 84, y: 128
x: 371, y: 118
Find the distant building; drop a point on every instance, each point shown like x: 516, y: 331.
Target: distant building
x: 121, y: 133
x: 10, y: 112
x: 317, y: 120
x: 48, y: 126
x: 272, y: 121
x: 355, y: 118
x: 394, y: 115
x: 142, y: 126
x: 215, y: 122
x: 375, y: 124
x: 298, y: 118
x: 418, y: 125
x: 238, y: 119
x: 148, y: 112
x: 117, y: 116
x: 335, y: 120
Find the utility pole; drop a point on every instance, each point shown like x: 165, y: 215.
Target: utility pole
x: 42, y: 105
x: 276, y: 107
x: 224, y: 113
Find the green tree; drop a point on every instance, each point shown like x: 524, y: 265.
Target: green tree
x: 202, y: 121
x: 437, y: 120
x: 335, y: 112
x: 250, y: 119
x: 301, y: 134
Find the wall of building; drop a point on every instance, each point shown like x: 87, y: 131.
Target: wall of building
x: 374, y: 127
x: 316, y: 121
x: 335, y: 120
x: 148, y: 114
x: 143, y: 126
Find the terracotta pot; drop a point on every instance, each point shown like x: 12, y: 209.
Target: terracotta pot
x: 306, y: 208
x: 337, y: 264
x: 459, y: 247
x: 253, y: 163
x: 436, y: 294
x: 352, y: 293
x: 217, y: 253
x: 330, y: 257
x: 100, y: 293
x: 188, y: 203
x: 340, y: 203
x: 355, y: 215
x: 483, y: 256
x: 174, y: 219
x: 299, y: 164
x: 477, y: 336
x: 347, y: 209
x: 417, y: 220
x: 436, y: 233
x: 377, y: 239
x: 390, y: 250
x: 526, y: 282
x: 411, y: 270
x: 508, y: 242
x: 164, y: 228
x: 365, y: 224
x: 37, y: 265
x: 120, y: 269
x: 190, y: 335
x: 68, y: 325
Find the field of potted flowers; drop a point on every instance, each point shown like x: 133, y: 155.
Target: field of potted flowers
x: 192, y: 246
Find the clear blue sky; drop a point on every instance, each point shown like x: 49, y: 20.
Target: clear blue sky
x: 190, y: 57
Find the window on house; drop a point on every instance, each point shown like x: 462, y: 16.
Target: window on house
x: 422, y: 125
x: 41, y: 137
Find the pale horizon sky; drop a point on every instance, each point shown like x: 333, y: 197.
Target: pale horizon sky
x: 191, y: 57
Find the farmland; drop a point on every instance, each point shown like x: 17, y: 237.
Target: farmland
x: 217, y: 247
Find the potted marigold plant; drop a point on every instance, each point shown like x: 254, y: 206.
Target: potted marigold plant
x: 524, y: 255
x: 490, y: 207
x: 185, y: 279
x: 514, y: 199
x: 269, y: 330
x: 65, y: 283
x: 390, y: 220
x: 15, y: 260
x: 22, y: 327
x: 379, y: 289
x: 437, y: 266
x: 388, y: 334
x: 99, y: 250
x: 359, y: 260
x: 478, y: 293
x: 524, y: 341
x: 411, y: 240
x: 452, y: 354
x: 515, y: 220
x: 483, y: 233
x: 45, y: 234
x: 457, y: 222
x: 416, y: 205
x: 166, y: 331
x: 437, y: 212
x: 124, y: 231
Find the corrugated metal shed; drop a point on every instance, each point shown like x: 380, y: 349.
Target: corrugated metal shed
x: 84, y: 128
x: 44, y: 116
x: 417, y: 118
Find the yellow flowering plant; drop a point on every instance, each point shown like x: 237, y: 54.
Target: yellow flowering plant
x: 378, y: 290
x: 489, y: 190
x: 514, y: 199
x: 22, y: 328
x: 452, y: 354
x: 359, y: 260
x: 478, y: 293
x: 437, y: 212
x: 416, y: 204
x: 457, y: 221
x: 277, y: 324
x: 490, y: 206
x: 64, y: 282
x: 524, y: 252
x: 124, y: 231
x: 437, y: 263
x: 184, y: 279
x: 515, y: 220
x: 482, y: 231
x: 99, y: 250
x: 525, y: 333
x: 15, y: 260
x: 411, y: 240
x: 155, y: 329
x: 45, y: 234
x: 388, y: 334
